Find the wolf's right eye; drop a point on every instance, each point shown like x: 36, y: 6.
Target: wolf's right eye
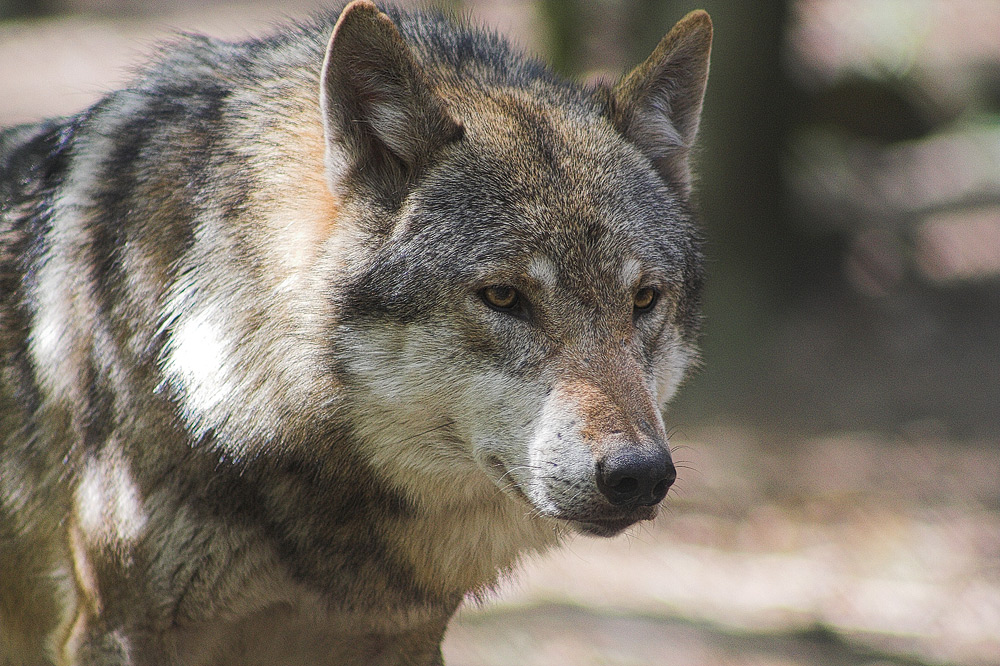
x: 501, y: 297
x: 644, y: 300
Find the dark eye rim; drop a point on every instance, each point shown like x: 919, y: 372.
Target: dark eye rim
x: 654, y: 299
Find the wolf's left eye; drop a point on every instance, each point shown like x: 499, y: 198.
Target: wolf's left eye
x: 501, y: 297
x: 645, y: 299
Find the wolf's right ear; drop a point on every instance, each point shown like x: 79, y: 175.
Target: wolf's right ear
x: 658, y: 105
x: 381, y: 118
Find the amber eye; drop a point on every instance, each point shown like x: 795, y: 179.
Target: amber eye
x: 645, y: 299
x: 500, y: 296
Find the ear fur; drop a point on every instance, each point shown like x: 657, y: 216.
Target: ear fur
x: 381, y: 118
x: 658, y: 104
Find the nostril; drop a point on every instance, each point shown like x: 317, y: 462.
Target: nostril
x: 660, y: 490
x: 626, y: 486
x: 663, y: 485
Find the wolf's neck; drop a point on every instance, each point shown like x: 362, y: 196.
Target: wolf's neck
x: 470, y: 547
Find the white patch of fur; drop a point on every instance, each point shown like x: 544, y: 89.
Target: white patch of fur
x: 542, y: 269
x: 630, y: 272
x: 676, y: 358
x: 109, y: 508
x: 557, y: 453
x: 195, y: 360
x: 50, y: 337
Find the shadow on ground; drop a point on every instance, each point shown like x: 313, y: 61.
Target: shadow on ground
x: 565, y: 635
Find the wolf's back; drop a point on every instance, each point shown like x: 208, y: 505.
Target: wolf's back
x: 30, y: 164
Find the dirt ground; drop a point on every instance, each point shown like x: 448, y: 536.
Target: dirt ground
x: 845, y: 549
x: 837, y: 550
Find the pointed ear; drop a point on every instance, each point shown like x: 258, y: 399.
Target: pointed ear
x: 658, y: 105
x: 381, y: 118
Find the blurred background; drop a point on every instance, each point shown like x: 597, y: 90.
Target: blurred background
x: 839, y: 498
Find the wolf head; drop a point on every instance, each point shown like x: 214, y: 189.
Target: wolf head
x: 519, y: 273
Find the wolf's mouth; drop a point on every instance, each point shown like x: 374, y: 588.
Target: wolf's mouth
x: 595, y: 526
x: 608, y: 527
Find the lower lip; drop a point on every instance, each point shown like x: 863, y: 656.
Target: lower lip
x: 603, y: 527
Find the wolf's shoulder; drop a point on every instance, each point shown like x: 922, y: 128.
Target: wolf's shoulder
x: 32, y: 159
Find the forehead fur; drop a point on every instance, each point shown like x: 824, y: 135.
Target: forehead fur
x: 534, y: 178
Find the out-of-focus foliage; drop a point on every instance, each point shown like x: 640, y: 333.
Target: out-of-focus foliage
x: 894, y: 161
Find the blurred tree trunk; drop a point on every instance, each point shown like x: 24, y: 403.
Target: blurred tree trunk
x: 10, y: 9
x: 755, y: 253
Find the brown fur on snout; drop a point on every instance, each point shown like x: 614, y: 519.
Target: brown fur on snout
x: 616, y: 407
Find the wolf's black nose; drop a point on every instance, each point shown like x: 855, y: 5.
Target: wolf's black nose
x: 639, y: 476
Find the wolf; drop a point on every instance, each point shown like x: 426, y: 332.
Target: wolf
x: 306, y: 339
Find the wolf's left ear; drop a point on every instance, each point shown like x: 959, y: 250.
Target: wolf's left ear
x: 381, y: 117
x: 658, y: 105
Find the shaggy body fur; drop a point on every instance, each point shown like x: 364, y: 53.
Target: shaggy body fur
x: 304, y: 339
